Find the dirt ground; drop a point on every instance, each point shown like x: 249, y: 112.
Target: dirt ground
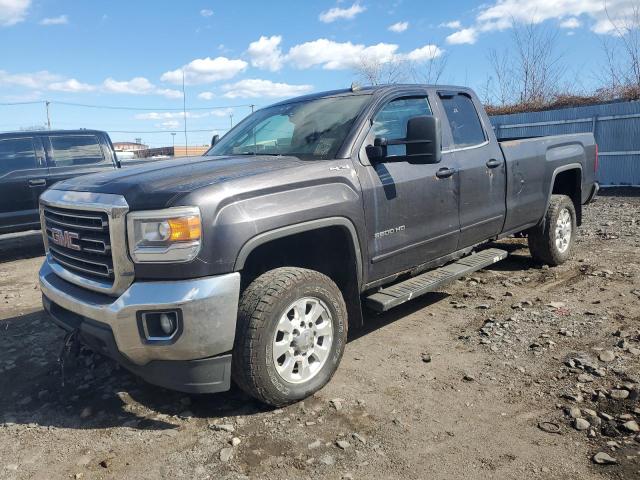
x: 480, y: 380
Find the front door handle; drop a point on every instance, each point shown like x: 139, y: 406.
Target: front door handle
x: 493, y: 163
x: 445, y: 172
x: 37, y: 182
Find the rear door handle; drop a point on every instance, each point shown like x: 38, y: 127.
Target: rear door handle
x: 445, y: 172
x: 37, y: 182
x: 493, y: 163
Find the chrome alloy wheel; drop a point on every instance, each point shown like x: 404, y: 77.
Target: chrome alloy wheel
x: 302, y: 340
x: 564, y: 227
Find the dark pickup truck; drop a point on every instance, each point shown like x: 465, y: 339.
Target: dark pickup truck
x: 32, y: 161
x: 251, y: 262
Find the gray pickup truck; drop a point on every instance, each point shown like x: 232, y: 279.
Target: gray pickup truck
x: 251, y: 263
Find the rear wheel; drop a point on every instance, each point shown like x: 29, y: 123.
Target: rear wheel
x: 552, y: 240
x: 290, y: 337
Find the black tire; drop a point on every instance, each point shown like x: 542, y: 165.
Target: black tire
x: 542, y: 237
x: 262, y: 305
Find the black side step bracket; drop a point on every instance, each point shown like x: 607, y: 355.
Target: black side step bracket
x: 399, y: 293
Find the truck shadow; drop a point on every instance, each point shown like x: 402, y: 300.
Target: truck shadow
x: 19, y: 246
x: 97, y: 393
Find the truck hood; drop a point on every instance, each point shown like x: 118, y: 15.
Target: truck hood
x: 160, y: 183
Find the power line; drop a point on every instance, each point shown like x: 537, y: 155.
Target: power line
x: 36, y: 102
x: 120, y: 107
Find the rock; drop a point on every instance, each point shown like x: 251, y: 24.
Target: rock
x: 581, y: 424
x: 226, y: 454
x: 632, y: 426
x: 556, y: 304
x: 235, y: 441
x: 426, y: 358
x: 223, y: 428
x: 343, y: 444
x: 327, y: 459
x: 359, y: 438
x: 585, y: 378
x: 602, y: 458
x: 336, y: 403
x: 607, y: 356
x: 106, y: 463
x: 619, y: 394
x: 314, y: 445
x: 574, y: 412
x: 469, y: 378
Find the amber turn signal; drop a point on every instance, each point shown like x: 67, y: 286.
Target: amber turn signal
x: 185, y: 229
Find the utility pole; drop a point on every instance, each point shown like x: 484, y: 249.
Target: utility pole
x: 184, y: 113
x: 252, y: 107
x: 231, y: 118
x: 173, y: 141
x: 46, y: 103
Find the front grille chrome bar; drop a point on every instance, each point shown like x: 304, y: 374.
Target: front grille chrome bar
x: 101, y: 262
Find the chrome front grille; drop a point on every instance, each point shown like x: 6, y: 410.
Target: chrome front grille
x: 85, y: 238
x: 80, y: 241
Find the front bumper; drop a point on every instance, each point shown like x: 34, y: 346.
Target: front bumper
x: 198, y: 360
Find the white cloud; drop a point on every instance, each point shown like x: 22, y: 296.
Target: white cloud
x: 59, y: 20
x: 206, y: 95
x: 428, y: 52
x: 399, y: 27
x: 265, y: 53
x: 454, y: 24
x: 466, y: 35
x: 205, y: 70
x: 138, y: 86
x: 254, y: 88
x: 502, y: 14
x: 205, y: 12
x: 44, y: 80
x: 170, y: 125
x: 72, y: 85
x: 32, y: 81
x: 337, y: 13
x: 570, y: 23
x: 336, y: 56
x: 13, y: 11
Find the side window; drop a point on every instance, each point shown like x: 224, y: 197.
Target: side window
x: 466, y: 128
x: 71, y: 150
x: 268, y: 135
x: 391, y: 121
x: 17, y: 154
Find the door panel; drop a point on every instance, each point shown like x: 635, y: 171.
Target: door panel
x: 411, y: 212
x: 22, y: 179
x: 481, y: 170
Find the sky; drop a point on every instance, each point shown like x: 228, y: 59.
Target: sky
x: 124, y: 60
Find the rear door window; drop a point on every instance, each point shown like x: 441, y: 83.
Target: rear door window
x: 466, y: 128
x: 73, y: 150
x: 391, y: 121
x: 17, y: 154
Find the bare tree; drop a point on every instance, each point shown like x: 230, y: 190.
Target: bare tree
x: 622, y: 52
x: 429, y: 71
x: 537, y: 66
x: 502, y: 92
x: 374, y: 71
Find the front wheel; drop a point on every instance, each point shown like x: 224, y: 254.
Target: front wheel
x: 552, y: 240
x: 290, y: 336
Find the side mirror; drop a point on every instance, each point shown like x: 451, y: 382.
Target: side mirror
x: 215, y: 139
x: 423, y: 140
x: 423, y: 143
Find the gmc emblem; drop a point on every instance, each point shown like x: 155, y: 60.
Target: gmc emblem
x: 64, y: 238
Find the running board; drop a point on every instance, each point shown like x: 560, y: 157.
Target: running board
x: 399, y: 293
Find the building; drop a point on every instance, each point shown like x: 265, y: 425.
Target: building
x: 129, y: 146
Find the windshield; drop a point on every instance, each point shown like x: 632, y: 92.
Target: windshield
x: 312, y: 130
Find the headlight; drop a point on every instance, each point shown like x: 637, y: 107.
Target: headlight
x: 164, y: 236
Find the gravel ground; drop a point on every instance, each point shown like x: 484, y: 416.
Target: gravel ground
x: 517, y: 372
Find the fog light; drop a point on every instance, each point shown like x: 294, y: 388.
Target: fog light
x: 167, y: 324
x: 160, y: 327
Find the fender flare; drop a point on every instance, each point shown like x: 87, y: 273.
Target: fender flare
x: 288, y: 230
x: 563, y: 168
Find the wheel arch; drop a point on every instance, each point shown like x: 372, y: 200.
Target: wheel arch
x: 567, y: 180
